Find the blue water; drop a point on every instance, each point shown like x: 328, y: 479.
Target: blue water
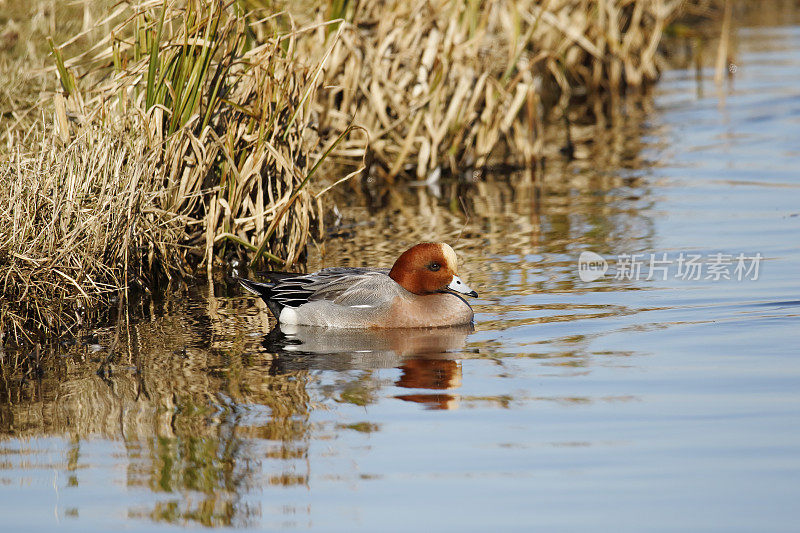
x: 605, y: 405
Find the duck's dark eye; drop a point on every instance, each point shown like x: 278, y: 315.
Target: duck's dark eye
x: 434, y: 267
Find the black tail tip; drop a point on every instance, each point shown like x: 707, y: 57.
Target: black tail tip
x: 253, y: 287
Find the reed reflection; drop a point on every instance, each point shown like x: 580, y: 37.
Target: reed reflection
x: 203, y: 414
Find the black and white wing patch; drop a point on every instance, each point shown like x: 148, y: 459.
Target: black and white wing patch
x: 341, y: 285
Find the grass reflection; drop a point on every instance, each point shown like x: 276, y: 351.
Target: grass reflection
x: 198, y: 405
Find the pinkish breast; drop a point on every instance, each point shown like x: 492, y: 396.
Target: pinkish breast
x: 429, y: 311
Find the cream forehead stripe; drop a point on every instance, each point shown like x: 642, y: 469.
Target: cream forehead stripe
x: 449, y: 256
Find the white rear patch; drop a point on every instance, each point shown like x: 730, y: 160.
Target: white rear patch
x: 288, y: 316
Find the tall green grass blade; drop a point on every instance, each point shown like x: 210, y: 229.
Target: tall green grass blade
x: 154, y: 60
x: 65, y: 76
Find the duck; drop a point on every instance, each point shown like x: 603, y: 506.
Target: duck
x: 421, y: 290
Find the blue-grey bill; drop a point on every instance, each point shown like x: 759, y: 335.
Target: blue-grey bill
x: 459, y: 286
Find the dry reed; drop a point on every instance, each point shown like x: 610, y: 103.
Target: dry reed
x: 76, y: 223
x: 223, y: 102
x: 195, y: 136
x: 452, y: 85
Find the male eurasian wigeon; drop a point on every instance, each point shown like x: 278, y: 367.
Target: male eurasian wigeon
x: 418, y: 292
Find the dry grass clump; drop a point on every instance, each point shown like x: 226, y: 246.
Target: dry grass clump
x: 184, y: 130
x: 76, y: 223
x: 223, y: 101
x: 454, y: 84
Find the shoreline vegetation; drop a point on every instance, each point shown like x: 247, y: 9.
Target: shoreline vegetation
x: 169, y: 137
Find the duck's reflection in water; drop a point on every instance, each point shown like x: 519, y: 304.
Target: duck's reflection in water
x: 436, y: 374
x: 426, y: 358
